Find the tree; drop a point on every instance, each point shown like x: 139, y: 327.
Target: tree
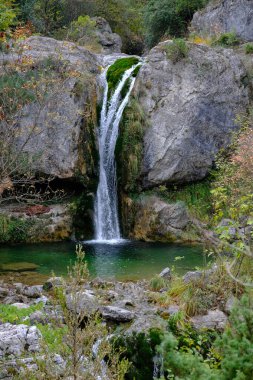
x: 8, y: 14
x: 165, y: 18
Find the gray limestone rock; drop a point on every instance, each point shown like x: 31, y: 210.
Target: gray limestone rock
x: 166, y: 274
x: 191, y: 107
x: 226, y: 16
x: 16, y: 339
x: 215, y: 319
x: 117, y: 314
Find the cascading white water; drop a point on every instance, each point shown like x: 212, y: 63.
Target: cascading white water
x: 106, y: 202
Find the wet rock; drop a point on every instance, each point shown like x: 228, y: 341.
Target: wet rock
x: 16, y: 339
x: 166, y: 273
x: 215, y: 319
x: 226, y: 16
x: 117, y: 314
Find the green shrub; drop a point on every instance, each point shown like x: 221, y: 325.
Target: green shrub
x: 177, y: 50
x: 227, y: 40
x: 168, y: 18
x: 13, y: 230
x: 249, y: 49
x: 8, y: 14
x: 139, y: 349
x: 236, y: 344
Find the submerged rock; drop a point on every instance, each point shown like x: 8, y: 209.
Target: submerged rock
x: 226, y: 16
x: 191, y: 106
x: 18, y: 267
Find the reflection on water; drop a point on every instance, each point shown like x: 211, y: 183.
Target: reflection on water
x: 125, y: 260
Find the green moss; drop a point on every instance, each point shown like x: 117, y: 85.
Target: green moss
x: 117, y: 70
x: 129, y: 147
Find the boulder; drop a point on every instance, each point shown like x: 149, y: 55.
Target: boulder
x: 16, y: 339
x: 156, y: 219
x: 53, y: 282
x: 110, y: 42
x: 166, y: 274
x: 117, y: 314
x: 38, y: 317
x: 215, y: 319
x: 84, y: 303
x: 20, y: 305
x: 191, y: 107
x: 226, y: 16
x: 34, y: 291
x: 230, y: 304
x: 18, y: 267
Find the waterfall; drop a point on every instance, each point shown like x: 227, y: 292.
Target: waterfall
x: 106, y: 203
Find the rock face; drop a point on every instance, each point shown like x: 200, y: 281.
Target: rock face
x: 226, y: 16
x: 54, y: 225
x: 191, y: 106
x: 110, y: 42
x: 157, y: 220
x: 15, y: 340
x: 65, y: 136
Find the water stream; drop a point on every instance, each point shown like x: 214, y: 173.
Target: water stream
x: 106, y: 218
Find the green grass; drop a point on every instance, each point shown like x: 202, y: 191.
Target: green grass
x: 12, y: 314
x: 177, y: 50
x: 53, y: 336
x: 249, y: 49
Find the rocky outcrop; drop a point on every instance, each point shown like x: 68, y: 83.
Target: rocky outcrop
x: 158, y: 220
x: 55, y: 224
x: 15, y: 340
x: 224, y: 16
x: 191, y: 107
x: 110, y: 42
x: 57, y: 129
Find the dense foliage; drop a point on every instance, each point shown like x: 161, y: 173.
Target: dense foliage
x: 164, y: 18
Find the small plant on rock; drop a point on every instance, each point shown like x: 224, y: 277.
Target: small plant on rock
x: 177, y: 50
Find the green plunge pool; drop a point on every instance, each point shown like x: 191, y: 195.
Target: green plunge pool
x: 128, y: 260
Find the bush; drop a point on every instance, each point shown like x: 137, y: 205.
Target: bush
x: 177, y: 50
x: 8, y: 14
x: 14, y: 230
x: 249, y: 49
x: 168, y: 18
x: 227, y: 40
